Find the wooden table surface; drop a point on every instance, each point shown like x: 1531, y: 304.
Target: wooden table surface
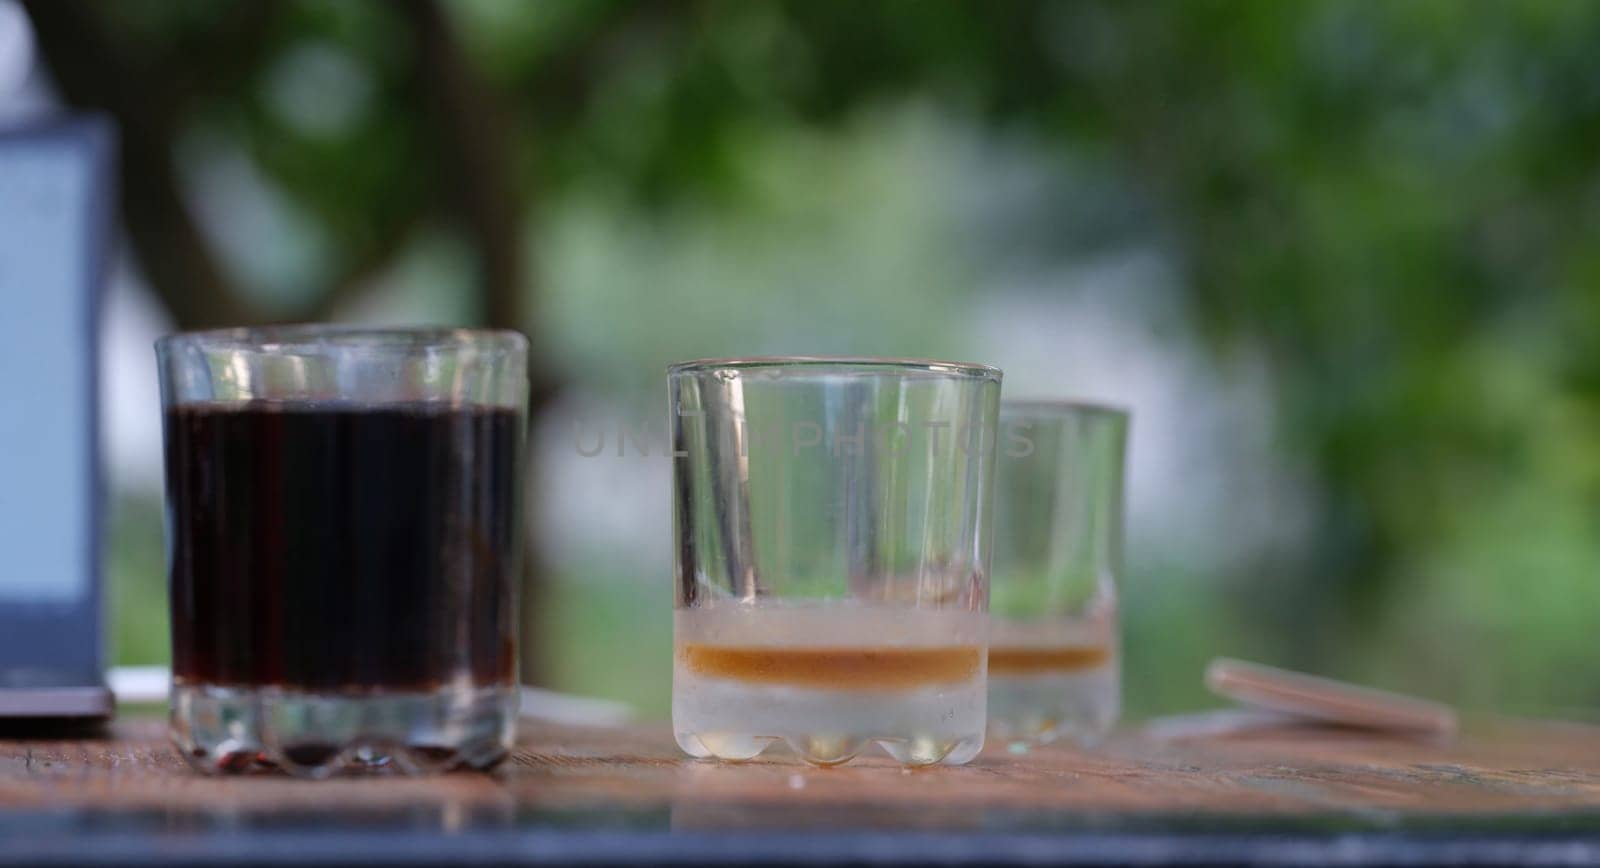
x: 1531, y: 789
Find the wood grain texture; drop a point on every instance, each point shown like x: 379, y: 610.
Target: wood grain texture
x: 1504, y: 768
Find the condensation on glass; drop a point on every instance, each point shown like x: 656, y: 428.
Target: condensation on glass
x: 343, y: 543
x: 832, y: 519
x: 1054, y: 657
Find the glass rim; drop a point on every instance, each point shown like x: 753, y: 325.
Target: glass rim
x: 887, y: 364
x: 1064, y: 407
x: 264, y: 338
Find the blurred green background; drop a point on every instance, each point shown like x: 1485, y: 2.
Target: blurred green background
x: 1339, y: 258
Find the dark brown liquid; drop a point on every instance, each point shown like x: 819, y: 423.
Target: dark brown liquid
x: 327, y: 546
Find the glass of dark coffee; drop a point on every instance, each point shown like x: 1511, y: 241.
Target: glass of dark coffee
x: 343, y: 521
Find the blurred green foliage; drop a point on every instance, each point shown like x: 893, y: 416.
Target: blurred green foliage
x: 1394, y: 205
x: 136, y: 588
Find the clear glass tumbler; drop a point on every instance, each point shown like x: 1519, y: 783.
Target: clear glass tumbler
x: 832, y: 521
x: 1054, y: 666
x: 343, y: 542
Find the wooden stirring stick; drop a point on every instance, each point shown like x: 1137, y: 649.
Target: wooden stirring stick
x: 1310, y: 697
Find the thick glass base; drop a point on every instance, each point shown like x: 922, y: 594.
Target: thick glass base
x: 734, y: 721
x: 1078, y: 706
x: 230, y: 730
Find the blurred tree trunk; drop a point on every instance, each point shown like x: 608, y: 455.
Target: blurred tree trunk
x: 93, y: 71
x: 476, y: 177
x: 473, y: 177
x: 475, y: 174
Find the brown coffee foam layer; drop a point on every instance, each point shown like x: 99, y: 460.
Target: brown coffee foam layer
x: 839, y: 668
x: 1037, y: 661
